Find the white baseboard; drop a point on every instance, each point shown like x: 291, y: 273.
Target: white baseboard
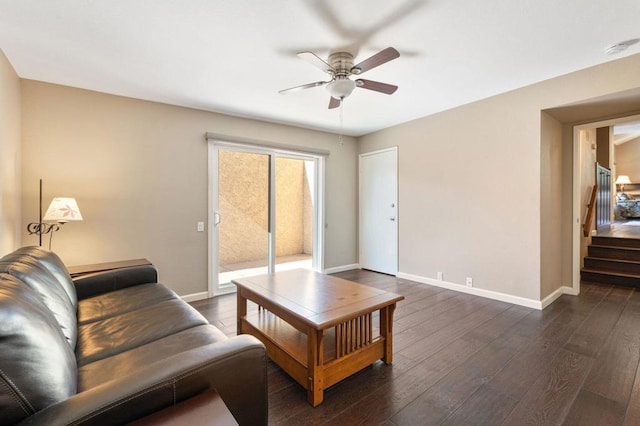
x: 342, y: 268
x: 559, y: 292
x: 205, y: 295
x: 516, y: 300
x: 195, y: 296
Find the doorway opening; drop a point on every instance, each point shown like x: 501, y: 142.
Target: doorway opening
x: 265, y: 208
x: 604, y: 143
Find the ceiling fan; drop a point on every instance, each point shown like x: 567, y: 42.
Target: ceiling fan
x: 340, y: 67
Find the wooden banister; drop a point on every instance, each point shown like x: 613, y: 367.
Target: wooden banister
x: 592, y: 203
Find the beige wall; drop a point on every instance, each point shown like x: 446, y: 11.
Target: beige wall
x: 551, y: 164
x: 10, y: 130
x: 603, y: 147
x: 470, y: 185
x: 588, y: 157
x: 627, y: 157
x: 139, y: 172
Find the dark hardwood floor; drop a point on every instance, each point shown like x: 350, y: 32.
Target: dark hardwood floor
x: 466, y: 360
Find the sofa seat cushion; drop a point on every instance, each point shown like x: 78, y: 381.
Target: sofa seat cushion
x: 37, y: 365
x: 119, y: 302
x: 114, y: 335
x: 126, y: 363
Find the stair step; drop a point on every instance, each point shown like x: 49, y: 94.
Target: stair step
x: 612, y: 265
x: 616, y: 242
x: 616, y: 278
x: 610, y: 252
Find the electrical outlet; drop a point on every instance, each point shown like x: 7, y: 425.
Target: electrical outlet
x: 200, y: 227
x: 439, y: 276
x: 469, y: 282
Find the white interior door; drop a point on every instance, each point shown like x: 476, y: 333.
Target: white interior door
x: 379, y: 211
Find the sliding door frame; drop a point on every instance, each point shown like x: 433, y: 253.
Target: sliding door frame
x: 214, y: 147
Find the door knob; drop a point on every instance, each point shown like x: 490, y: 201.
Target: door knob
x: 392, y: 219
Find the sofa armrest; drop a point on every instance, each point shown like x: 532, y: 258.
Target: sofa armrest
x: 236, y: 368
x: 102, y: 282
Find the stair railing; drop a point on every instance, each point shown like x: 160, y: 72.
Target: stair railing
x: 586, y: 226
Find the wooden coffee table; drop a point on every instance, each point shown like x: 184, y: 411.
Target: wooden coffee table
x: 318, y: 328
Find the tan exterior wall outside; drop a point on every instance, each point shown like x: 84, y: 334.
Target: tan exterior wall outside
x: 243, y: 196
x: 10, y: 153
x: 290, y: 206
x: 243, y: 189
x: 307, y: 214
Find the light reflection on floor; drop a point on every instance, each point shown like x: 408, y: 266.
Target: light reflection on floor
x: 248, y: 269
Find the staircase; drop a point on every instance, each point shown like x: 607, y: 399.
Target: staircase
x: 613, y: 261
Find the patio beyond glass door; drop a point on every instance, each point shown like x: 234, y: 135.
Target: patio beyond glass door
x: 264, y: 214
x: 243, y: 214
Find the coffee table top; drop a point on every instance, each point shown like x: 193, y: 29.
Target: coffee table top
x: 317, y: 299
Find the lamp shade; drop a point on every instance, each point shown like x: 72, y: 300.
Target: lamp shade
x: 63, y: 210
x: 622, y: 180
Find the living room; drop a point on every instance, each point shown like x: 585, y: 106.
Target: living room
x: 485, y: 188
x: 143, y: 185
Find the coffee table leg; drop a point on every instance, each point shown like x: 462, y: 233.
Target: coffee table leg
x: 386, y: 331
x: 241, y: 310
x: 315, y: 361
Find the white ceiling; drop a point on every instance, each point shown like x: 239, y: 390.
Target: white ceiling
x: 233, y: 56
x: 623, y: 133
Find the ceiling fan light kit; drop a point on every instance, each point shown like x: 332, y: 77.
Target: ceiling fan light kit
x: 340, y: 67
x: 341, y: 88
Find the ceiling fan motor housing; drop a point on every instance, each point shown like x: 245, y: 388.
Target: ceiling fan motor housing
x: 342, y: 63
x: 341, y: 86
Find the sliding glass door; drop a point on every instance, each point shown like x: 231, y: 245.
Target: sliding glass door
x: 264, y: 212
x: 242, y: 217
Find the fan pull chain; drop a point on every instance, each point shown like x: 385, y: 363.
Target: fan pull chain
x: 340, y: 138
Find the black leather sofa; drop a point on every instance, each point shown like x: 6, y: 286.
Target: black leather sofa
x: 112, y: 347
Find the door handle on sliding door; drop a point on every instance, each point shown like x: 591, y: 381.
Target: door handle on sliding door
x: 216, y: 218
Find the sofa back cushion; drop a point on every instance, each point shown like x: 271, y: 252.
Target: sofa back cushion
x: 32, y: 273
x: 37, y: 365
x: 52, y: 263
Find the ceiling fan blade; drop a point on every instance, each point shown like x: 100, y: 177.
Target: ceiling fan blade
x: 315, y: 60
x: 376, y: 86
x: 334, y: 103
x: 302, y: 87
x: 379, y: 58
